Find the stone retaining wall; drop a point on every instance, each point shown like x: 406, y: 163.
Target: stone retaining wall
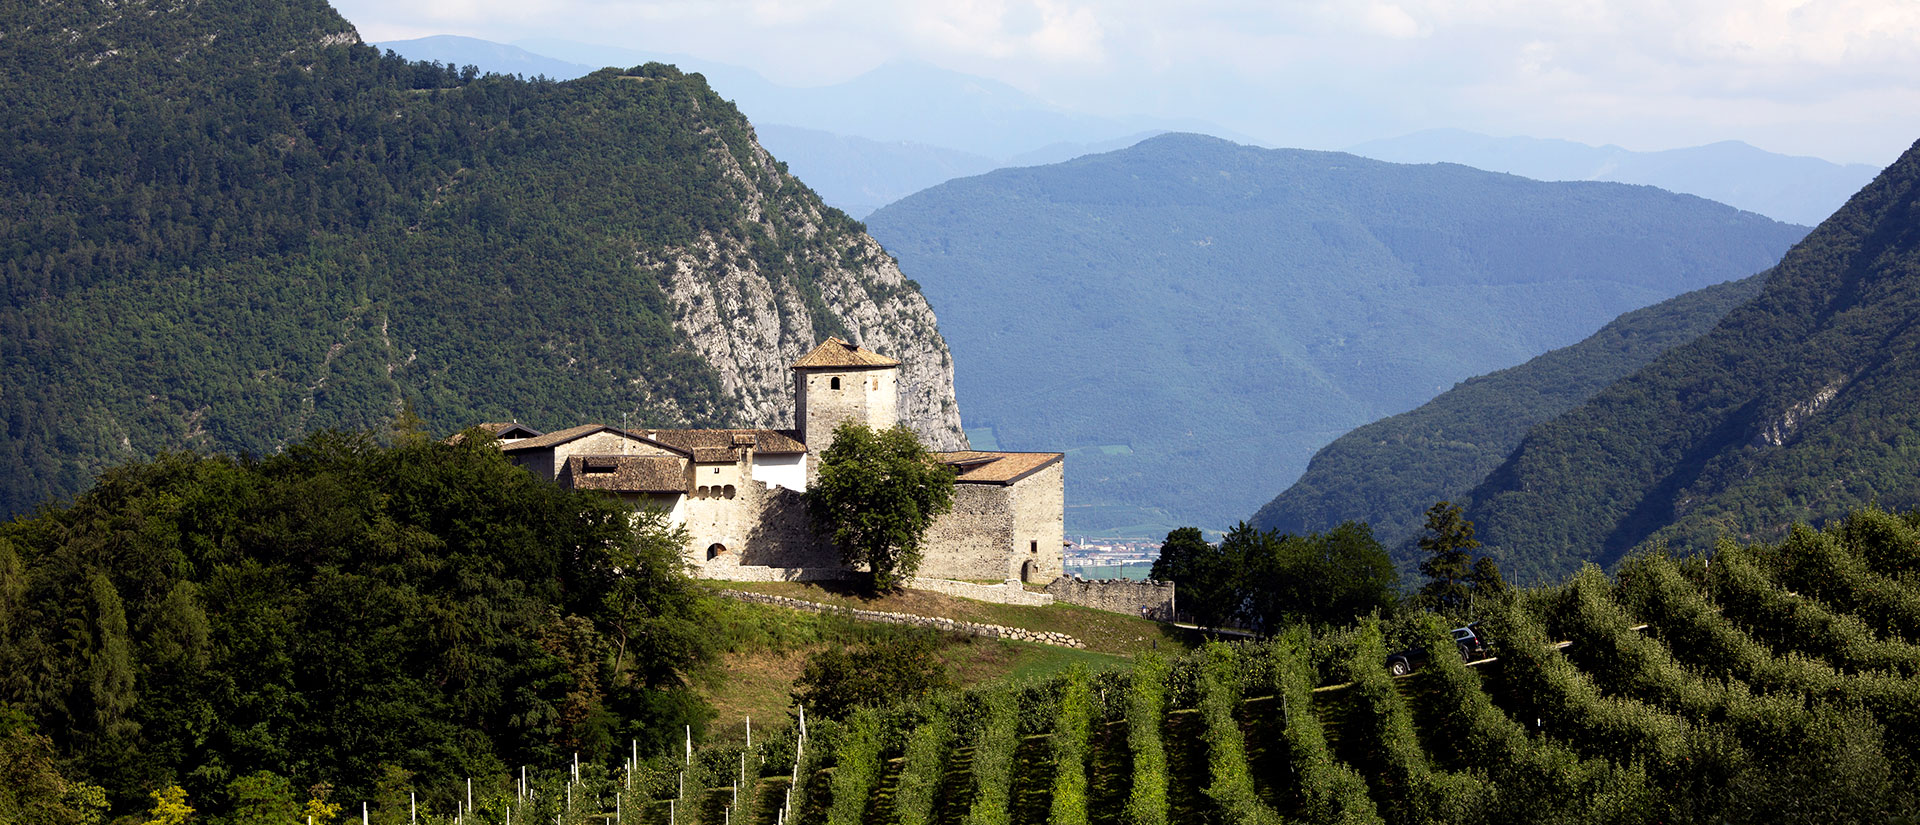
x: 1007, y: 592
x: 1151, y: 599
x: 991, y: 631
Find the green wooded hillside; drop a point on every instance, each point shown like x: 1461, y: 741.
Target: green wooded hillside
x: 1803, y: 404
x: 1192, y: 318
x: 1387, y: 473
x: 226, y: 224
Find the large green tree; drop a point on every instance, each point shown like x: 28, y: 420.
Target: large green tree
x: 1266, y: 580
x: 877, y: 493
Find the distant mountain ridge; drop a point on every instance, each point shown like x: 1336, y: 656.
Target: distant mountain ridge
x: 1800, y: 405
x: 1192, y: 318
x: 1388, y: 472
x: 1799, y: 190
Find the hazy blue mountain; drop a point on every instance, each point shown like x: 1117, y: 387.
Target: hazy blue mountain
x: 1783, y: 187
x: 1801, y: 405
x: 1388, y: 472
x: 858, y: 175
x: 499, y: 58
x: 1194, y: 318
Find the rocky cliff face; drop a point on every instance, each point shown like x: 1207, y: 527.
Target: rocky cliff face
x: 752, y: 299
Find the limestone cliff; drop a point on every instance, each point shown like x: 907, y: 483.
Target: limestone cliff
x: 752, y: 298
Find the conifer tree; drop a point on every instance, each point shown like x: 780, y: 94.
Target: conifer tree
x: 1449, y: 565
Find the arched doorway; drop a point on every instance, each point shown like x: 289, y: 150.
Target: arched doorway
x: 716, y: 550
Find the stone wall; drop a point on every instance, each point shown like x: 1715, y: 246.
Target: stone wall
x: 1152, y: 599
x: 1007, y: 592
x: 992, y: 631
x: 974, y: 540
x: 1039, y: 529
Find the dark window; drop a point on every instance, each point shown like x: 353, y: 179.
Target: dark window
x: 834, y: 385
x: 1033, y: 546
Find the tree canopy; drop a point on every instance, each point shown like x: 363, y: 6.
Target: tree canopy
x: 337, y: 613
x: 1265, y: 580
x: 878, y: 492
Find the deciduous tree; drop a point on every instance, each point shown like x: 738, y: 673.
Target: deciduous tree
x: 877, y: 493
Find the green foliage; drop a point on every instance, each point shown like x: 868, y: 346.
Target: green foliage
x: 342, y: 610
x: 1214, y: 260
x: 925, y: 757
x: 1231, y: 783
x: 856, y: 768
x: 263, y: 798
x: 1386, y: 472
x: 877, y: 493
x: 1146, y: 706
x: 1734, y: 435
x: 169, y: 807
x: 838, y: 681
x: 36, y: 792
x: 292, y: 233
x: 1453, y: 575
x: 1405, y: 786
x: 1330, y: 791
x: 1266, y: 581
x: 993, y: 745
x: 1071, y: 728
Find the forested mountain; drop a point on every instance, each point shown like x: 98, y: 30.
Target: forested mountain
x: 1193, y: 318
x: 1783, y: 187
x: 228, y: 223
x: 1387, y: 473
x: 1801, y: 405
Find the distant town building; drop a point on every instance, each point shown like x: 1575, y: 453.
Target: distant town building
x: 739, y: 491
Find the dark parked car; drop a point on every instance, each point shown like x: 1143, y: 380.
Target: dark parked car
x: 1471, y: 645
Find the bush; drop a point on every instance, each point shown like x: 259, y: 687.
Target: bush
x: 999, y: 734
x: 1070, y: 734
x: 926, y: 755
x: 837, y: 681
x: 1146, y: 705
x: 1408, y: 788
x: 1331, y: 792
x: 1232, y: 780
x: 856, y: 767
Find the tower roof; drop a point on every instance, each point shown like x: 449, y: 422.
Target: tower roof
x: 834, y: 352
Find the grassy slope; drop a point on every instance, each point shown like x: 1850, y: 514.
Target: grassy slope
x: 766, y: 647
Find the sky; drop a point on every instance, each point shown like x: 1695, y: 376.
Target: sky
x: 1838, y: 79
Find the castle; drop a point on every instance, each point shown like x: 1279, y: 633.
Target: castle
x: 739, y: 492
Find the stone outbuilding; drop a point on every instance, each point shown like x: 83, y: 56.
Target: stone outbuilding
x: 740, y: 492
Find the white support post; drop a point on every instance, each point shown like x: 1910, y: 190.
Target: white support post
x: 689, y: 745
x: 469, y: 793
x: 413, y: 809
x: 363, y: 813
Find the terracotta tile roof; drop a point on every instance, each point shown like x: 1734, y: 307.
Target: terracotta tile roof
x: 558, y: 437
x: 714, y: 455
x: 984, y: 467
x: 765, y: 442
x: 834, y: 352
x: 625, y: 473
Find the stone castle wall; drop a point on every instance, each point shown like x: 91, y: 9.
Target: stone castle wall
x: 972, y: 540
x: 1039, y: 512
x: 1152, y: 599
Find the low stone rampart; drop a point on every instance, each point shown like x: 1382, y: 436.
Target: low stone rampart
x: 991, y: 631
x: 1151, y: 599
x: 1007, y: 592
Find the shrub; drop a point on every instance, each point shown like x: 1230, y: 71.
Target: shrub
x: 925, y: 756
x: 856, y: 768
x: 1070, y: 734
x: 1232, y: 780
x: 999, y: 734
x: 1146, y: 705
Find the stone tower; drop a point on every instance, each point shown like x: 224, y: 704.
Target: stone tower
x: 839, y: 381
